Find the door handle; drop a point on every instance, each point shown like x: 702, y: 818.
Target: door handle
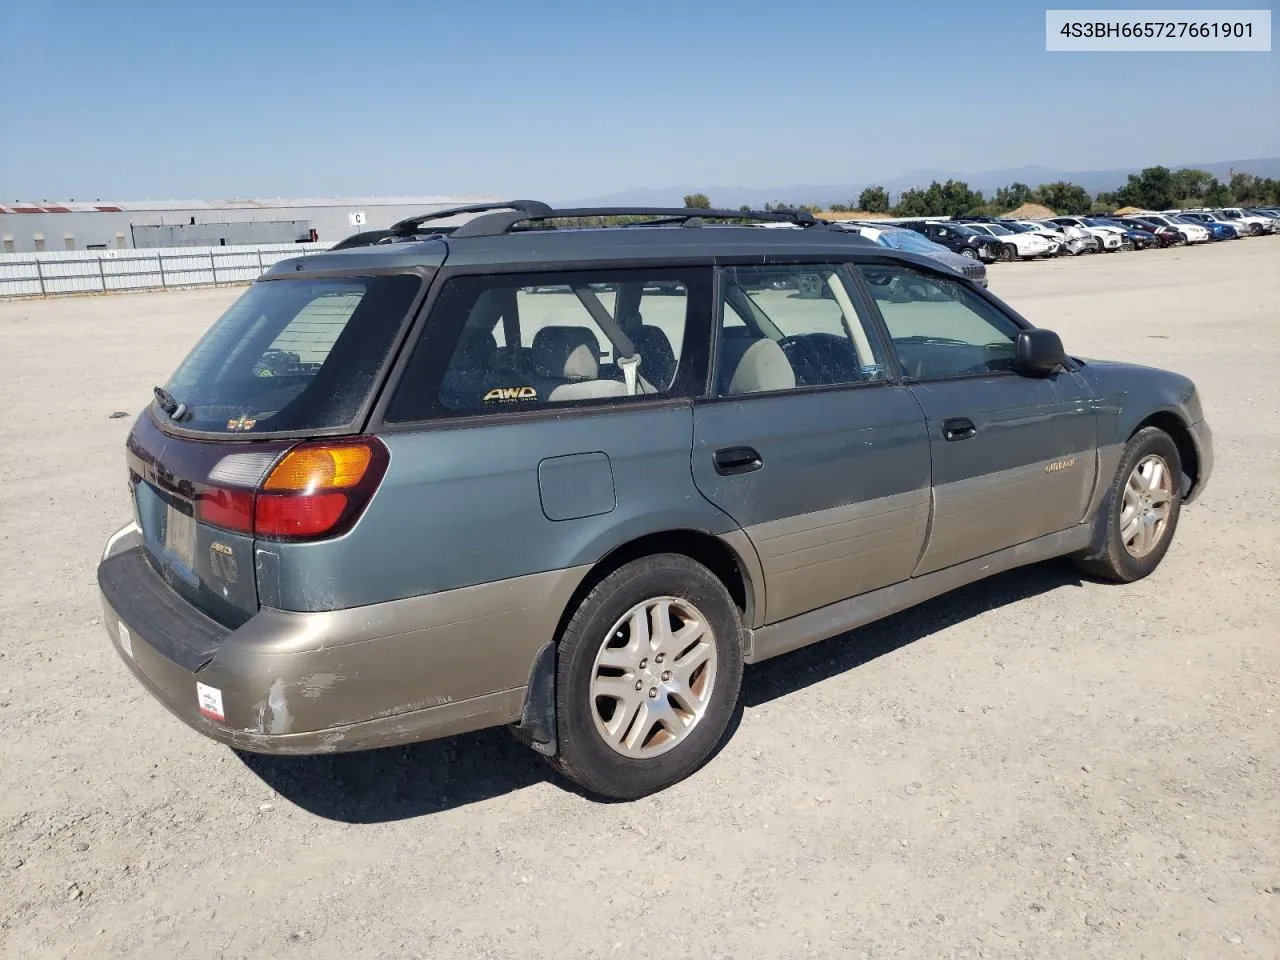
x: 733, y: 460
x: 958, y: 428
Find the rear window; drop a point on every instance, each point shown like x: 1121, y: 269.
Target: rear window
x: 292, y: 355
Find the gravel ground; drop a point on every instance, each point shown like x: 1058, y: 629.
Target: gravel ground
x: 1036, y: 766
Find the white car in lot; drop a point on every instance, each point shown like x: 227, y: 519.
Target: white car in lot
x: 1193, y: 233
x: 1024, y: 246
x: 1075, y: 239
x: 1110, y: 238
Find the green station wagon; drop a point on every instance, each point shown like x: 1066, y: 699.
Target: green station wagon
x: 570, y: 470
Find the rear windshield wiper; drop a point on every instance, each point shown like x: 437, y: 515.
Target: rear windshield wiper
x: 168, y: 404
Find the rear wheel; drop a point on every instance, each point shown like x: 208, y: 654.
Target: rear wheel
x: 1141, y: 509
x: 1008, y: 252
x: 648, y: 674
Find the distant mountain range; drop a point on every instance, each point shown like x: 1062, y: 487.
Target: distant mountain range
x: 988, y: 182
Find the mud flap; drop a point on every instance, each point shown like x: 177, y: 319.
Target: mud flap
x: 537, y: 726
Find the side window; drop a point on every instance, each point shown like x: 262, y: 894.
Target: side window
x: 497, y: 343
x: 785, y: 327
x: 939, y: 327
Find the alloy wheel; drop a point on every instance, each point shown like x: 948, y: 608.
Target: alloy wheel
x: 653, y: 677
x: 1146, y: 506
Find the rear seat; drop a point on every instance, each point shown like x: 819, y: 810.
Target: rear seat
x: 566, y: 363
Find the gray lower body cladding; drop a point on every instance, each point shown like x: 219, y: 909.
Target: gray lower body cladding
x: 837, y: 618
x: 287, y: 682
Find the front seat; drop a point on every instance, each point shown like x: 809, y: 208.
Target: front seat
x: 753, y: 366
x: 657, y: 358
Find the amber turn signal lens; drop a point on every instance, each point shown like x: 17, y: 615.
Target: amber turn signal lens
x: 313, y: 468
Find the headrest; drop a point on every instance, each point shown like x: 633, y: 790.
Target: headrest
x: 566, y: 353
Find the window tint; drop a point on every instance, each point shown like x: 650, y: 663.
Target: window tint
x: 791, y: 326
x: 292, y: 355
x: 527, y: 341
x: 939, y: 327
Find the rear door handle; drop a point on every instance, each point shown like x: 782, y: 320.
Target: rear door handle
x: 733, y: 460
x: 958, y: 428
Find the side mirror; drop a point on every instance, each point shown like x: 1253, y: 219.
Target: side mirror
x: 1038, y: 353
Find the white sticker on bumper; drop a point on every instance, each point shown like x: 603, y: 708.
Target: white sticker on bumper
x: 210, y: 700
x: 126, y: 641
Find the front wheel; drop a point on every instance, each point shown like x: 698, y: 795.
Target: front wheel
x: 1140, y: 512
x: 648, y: 673
x: 969, y: 252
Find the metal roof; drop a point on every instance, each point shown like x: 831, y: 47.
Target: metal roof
x: 544, y: 249
x: 260, y: 203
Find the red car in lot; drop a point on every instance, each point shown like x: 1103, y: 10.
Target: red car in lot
x: 1168, y: 236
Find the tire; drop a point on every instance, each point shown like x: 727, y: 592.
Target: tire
x: 634, y: 753
x: 969, y: 252
x: 1008, y: 252
x: 1117, y: 559
x: 1254, y: 230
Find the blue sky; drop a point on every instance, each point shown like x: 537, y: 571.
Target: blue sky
x: 134, y: 99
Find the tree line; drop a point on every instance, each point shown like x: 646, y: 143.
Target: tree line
x: 1155, y: 188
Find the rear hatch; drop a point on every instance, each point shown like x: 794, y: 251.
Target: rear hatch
x: 292, y: 360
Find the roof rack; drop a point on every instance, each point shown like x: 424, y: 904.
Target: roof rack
x: 497, y: 224
x: 410, y: 224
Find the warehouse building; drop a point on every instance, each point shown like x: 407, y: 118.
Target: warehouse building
x: 28, y: 227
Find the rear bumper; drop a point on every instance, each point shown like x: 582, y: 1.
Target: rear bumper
x: 303, y: 683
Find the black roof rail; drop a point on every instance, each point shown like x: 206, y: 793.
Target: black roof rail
x: 530, y: 207
x: 496, y: 224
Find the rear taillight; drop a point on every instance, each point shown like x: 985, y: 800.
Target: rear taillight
x: 229, y: 509
x: 317, y: 489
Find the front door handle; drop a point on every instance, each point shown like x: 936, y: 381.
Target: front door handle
x: 958, y: 428
x: 733, y: 460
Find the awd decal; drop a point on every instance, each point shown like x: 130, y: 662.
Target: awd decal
x: 510, y: 393
x: 1058, y: 465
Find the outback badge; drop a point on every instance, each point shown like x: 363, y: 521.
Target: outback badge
x: 223, y: 562
x: 1058, y: 465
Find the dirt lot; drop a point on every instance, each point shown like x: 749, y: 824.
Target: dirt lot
x: 1033, y: 767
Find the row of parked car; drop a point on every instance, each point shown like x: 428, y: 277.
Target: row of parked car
x: 969, y: 243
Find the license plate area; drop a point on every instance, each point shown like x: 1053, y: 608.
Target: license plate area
x: 180, y: 537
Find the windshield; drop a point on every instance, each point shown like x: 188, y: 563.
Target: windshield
x: 1098, y: 222
x: 291, y: 355
x: 1017, y: 227
x: 998, y: 230
x: 910, y: 241
x: 964, y: 231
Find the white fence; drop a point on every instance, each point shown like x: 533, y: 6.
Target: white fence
x: 110, y: 271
